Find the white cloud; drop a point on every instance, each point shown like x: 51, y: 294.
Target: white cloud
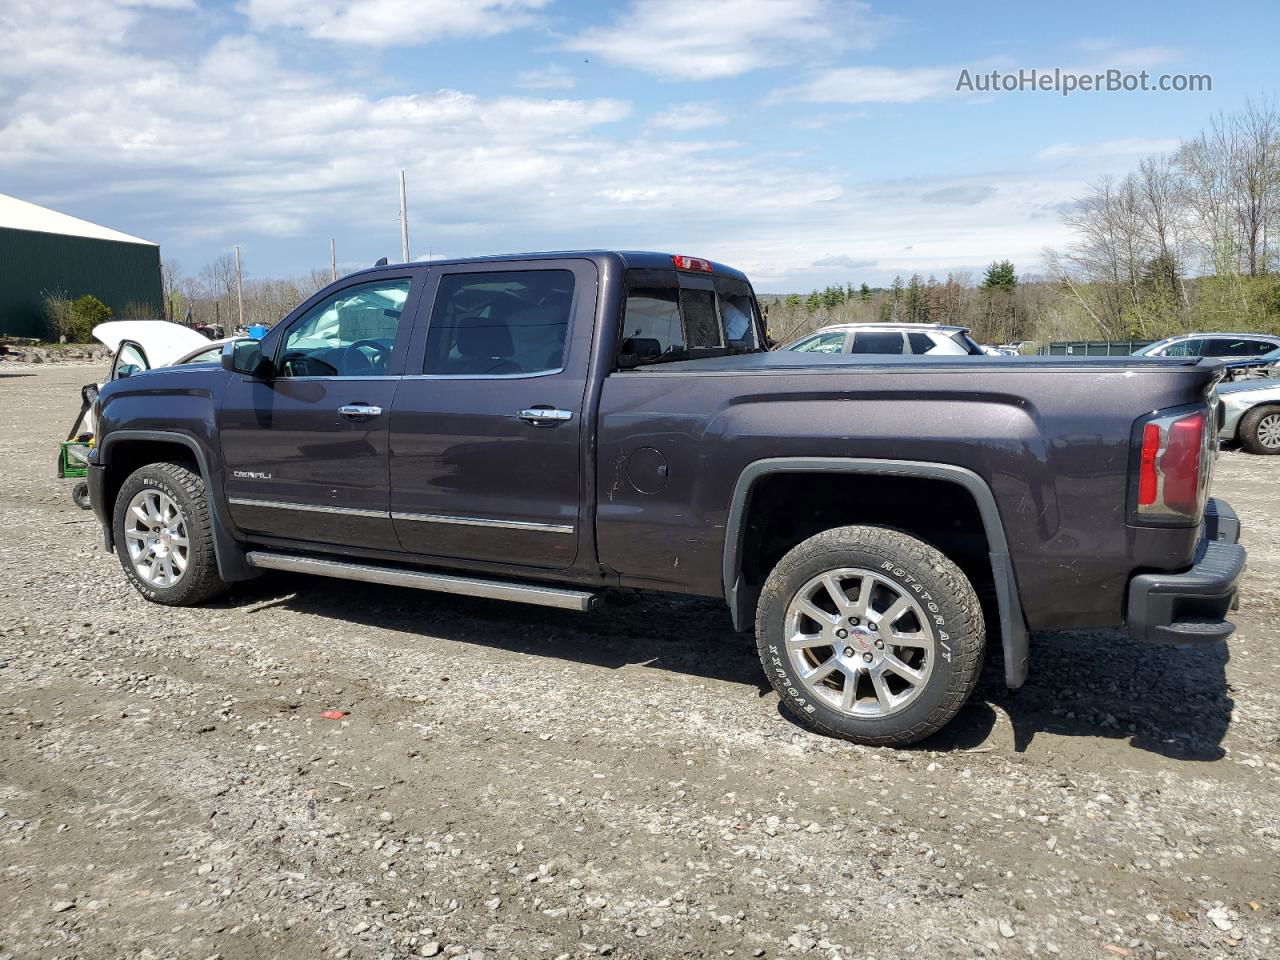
x: 1131, y: 147
x: 677, y: 39
x: 235, y: 143
x: 966, y: 195
x: 872, y: 85
x: 1130, y: 58
x: 554, y: 77
x: 689, y: 116
x: 389, y: 23
x: 230, y: 145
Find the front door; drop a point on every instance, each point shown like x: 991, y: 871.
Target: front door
x: 305, y: 451
x: 487, y: 428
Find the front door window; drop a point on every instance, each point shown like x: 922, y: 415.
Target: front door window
x: 350, y: 334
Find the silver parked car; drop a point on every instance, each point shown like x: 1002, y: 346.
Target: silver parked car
x: 893, y: 338
x: 1250, y: 414
x: 1220, y: 346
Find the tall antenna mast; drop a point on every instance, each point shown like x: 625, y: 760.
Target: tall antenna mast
x: 404, y: 223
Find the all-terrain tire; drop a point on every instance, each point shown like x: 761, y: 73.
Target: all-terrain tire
x: 185, y: 488
x: 1252, y: 430
x: 911, y: 567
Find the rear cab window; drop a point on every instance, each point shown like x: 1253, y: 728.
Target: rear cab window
x: 670, y: 316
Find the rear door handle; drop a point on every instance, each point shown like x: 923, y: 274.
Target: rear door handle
x: 358, y: 411
x: 544, y: 416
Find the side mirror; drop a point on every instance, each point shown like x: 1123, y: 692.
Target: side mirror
x: 245, y: 357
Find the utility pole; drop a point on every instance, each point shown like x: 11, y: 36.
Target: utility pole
x: 333, y: 259
x: 239, y: 288
x: 404, y: 223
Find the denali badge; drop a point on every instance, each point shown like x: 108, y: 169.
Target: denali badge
x: 251, y: 474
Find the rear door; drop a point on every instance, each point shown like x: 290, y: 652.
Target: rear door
x: 306, y: 451
x: 487, y: 432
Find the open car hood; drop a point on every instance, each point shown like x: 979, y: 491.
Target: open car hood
x: 162, y: 341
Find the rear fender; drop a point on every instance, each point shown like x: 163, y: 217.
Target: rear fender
x: 1013, y: 629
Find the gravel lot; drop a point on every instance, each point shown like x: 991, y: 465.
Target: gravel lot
x: 518, y: 782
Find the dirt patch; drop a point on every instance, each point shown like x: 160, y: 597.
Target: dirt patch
x: 518, y: 782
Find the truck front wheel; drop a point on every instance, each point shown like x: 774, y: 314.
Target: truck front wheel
x: 164, y: 536
x: 870, y: 634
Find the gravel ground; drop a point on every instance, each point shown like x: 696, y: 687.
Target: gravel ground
x: 518, y: 782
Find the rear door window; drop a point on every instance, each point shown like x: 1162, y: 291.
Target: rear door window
x: 920, y: 342
x: 499, y: 324
x: 877, y: 342
x: 1227, y: 347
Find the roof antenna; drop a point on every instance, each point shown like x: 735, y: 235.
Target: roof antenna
x: 382, y: 262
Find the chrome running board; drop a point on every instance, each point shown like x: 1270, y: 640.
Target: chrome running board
x: 559, y: 597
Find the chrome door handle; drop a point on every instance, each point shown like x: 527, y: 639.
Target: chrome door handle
x: 357, y: 411
x: 544, y: 416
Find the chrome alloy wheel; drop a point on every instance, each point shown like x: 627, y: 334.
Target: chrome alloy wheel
x: 1269, y: 431
x: 155, y: 533
x: 860, y: 642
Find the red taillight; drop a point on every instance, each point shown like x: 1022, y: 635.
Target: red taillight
x: 1181, y: 464
x: 1148, y: 482
x: 690, y: 263
x: 1173, y: 476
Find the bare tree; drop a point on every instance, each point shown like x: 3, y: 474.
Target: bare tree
x: 1160, y: 209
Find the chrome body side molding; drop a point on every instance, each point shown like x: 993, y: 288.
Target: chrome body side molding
x: 482, y: 522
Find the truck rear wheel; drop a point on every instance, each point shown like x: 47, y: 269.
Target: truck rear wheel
x: 870, y: 634
x: 164, y: 536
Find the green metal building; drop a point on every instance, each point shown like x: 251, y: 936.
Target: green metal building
x: 43, y: 250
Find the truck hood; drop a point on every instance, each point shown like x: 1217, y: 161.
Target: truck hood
x: 162, y: 341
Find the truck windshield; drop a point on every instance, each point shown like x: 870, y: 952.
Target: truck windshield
x: 663, y: 320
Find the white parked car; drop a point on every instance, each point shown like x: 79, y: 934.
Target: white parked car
x: 138, y: 345
x: 893, y: 338
x: 1250, y: 414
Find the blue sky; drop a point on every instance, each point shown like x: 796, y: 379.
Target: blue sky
x: 805, y: 141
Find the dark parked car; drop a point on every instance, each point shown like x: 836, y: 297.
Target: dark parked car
x: 544, y: 427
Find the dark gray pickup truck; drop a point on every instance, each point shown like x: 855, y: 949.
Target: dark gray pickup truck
x: 544, y: 427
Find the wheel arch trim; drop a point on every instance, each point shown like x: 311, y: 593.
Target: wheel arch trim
x: 232, y: 563
x: 1013, y: 629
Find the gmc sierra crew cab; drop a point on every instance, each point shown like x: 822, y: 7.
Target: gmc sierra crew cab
x: 545, y: 427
